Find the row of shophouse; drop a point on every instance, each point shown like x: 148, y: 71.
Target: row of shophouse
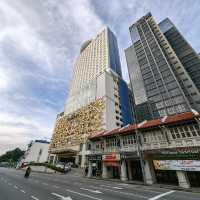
x: 165, y: 150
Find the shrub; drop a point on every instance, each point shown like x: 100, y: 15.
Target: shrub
x: 53, y: 167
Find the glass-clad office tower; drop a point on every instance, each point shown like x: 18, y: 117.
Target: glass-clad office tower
x: 187, y: 56
x: 157, y: 74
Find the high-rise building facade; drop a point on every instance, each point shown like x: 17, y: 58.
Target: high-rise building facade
x: 189, y: 59
x: 98, y: 99
x: 160, y: 83
x: 96, y: 55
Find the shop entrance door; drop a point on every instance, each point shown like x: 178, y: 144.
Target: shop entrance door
x: 166, y: 177
x: 136, y: 170
x: 194, y: 178
x: 116, y: 173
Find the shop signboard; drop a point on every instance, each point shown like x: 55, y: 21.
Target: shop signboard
x: 95, y: 157
x: 184, y: 165
x: 111, y: 157
x: 129, y: 156
x: 181, y: 153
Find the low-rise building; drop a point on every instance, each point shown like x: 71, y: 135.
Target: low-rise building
x: 37, y: 152
x: 165, y: 150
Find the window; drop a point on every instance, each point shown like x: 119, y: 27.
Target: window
x: 182, y: 132
x: 193, y: 131
x: 197, y: 129
x: 177, y: 133
x: 145, y: 138
x: 173, y: 133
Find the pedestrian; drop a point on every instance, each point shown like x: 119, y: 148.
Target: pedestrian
x: 93, y: 171
x: 27, y: 173
x: 86, y: 171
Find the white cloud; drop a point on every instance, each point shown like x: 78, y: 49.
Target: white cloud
x: 39, y: 41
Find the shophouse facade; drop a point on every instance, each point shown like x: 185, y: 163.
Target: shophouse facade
x: 169, y: 149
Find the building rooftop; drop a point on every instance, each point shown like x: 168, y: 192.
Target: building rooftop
x: 42, y: 141
x: 167, y: 120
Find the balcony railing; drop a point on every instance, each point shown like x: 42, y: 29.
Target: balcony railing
x: 163, y: 144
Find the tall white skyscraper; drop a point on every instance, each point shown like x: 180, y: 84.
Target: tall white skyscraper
x: 96, y: 55
x: 98, y: 99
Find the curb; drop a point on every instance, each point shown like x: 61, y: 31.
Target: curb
x: 141, y: 183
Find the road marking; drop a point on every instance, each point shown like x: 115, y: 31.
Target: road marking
x: 35, y: 198
x: 22, y: 191
x: 118, y: 188
x: 45, y: 183
x: 84, y: 195
x: 56, y: 186
x: 140, y: 188
x: 161, y: 195
x: 15, y: 187
x: 123, y: 184
x: 62, y: 197
x: 93, y: 191
x: 125, y: 193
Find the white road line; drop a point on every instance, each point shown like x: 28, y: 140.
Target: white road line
x: 22, y: 191
x: 84, y: 195
x: 45, y: 183
x: 35, y: 198
x: 15, y: 187
x: 62, y: 197
x: 161, y: 195
x: 141, y: 188
x: 123, y: 184
x: 93, y: 191
x: 118, y: 188
x: 124, y: 193
x: 56, y: 186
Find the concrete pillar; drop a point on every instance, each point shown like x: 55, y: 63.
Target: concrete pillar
x: 54, y: 160
x: 77, y: 159
x: 123, y: 171
x: 183, y: 179
x: 130, y: 175
x: 149, y: 172
x: 83, y: 156
x: 89, y: 169
x: 105, y: 171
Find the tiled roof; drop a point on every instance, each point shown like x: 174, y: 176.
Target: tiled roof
x: 149, y: 124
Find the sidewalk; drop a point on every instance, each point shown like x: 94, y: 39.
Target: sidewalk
x: 171, y: 187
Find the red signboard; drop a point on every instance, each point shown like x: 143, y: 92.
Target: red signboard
x: 111, y: 157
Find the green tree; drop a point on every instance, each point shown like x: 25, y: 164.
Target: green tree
x: 12, y: 156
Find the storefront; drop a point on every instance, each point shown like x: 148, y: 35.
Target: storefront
x: 96, y: 162
x: 170, y: 163
x: 134, y: 170
x: 112, y: 163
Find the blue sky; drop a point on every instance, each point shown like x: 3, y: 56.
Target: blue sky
x: 39, y: 42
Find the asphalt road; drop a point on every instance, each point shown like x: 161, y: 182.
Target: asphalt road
x: 13, y: 186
